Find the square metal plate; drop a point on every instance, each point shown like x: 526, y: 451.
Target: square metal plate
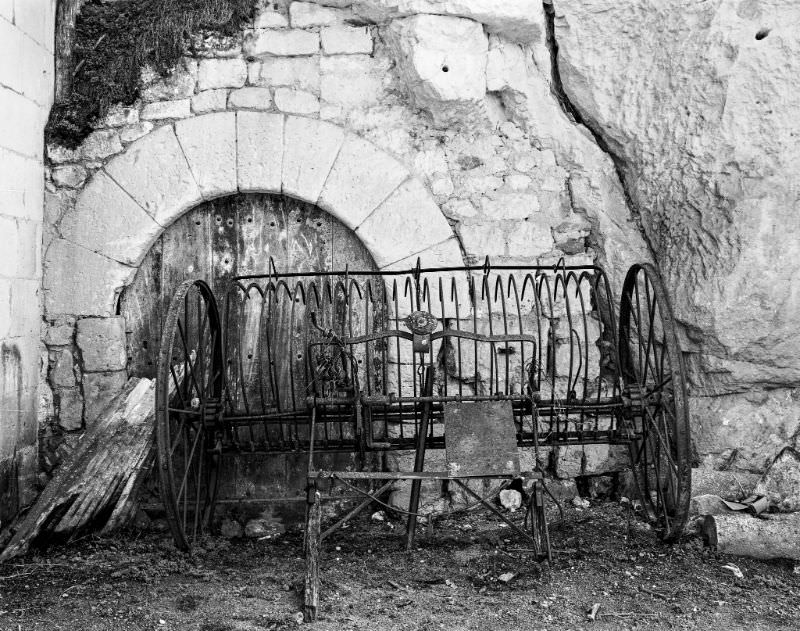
x: 481, y: 438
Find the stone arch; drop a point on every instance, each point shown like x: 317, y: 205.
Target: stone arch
x: 131, y: 200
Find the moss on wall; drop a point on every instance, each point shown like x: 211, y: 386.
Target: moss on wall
x: 115, y: 40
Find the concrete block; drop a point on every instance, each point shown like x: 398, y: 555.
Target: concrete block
x: 21, y: 132
x: 221, y: 73
x: 293, y: 101
x: 209, y: 101
x: 571, y: 462
x: 307, y: 14
x: 101, y: 144
x: 250, y: 98
x: 154, y: 171
x: 260, y: 151
x: 362, y: 177
x: 106, y: 220
x: 391, y: 228
x: 162, y: 110
x: 277, y: 43
x: 297, y: 72
x: 99, y: 389
x: 309, y: 150
x: 209, y: 144
x: 102, y: 343
x: 80, y: 282
x: 346, y: 40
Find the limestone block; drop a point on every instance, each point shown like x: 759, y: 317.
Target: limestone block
x: 177, y: 84
x: 62, y: 370
x: 362, y: 177
x: 99, y: 389
x: 161, y: 110
x: 70, y: 176
x: 295, y: 101
x: 482, y: 239
x: 298, y: 72
x: 19, y: 254
x: 80, y: 282
x: 221, y: 73
x: 209, y: 101
x: 389, y: 230
x: 70, y: 408
x: 571, y: 462
x: 28, y: 67
x: 307, y: 14
x: 119, y: 116
x: 268, y: 17
x: 154, y: 171
x: 16, y: 130
x: 21, y: 185
x: 352, y: 81
x: 59, y: 335
x: 520, y: 20
x: 106, y: 220
x: 309, y: 149
x: 209, y: 143
x: 250, y: 99
x: 731, y: 485
x: 442, y: 62
x: 102, y: 343
x: 134, y: 132
x: 101, y: 144
x: 528, y: 240
x: 271, y: 42
x: 260, y: 151
x: 346, y: 40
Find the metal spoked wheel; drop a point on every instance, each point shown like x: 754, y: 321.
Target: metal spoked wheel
x: 653, y: 376
x: 188, y: 394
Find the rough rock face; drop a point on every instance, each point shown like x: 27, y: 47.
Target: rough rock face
x: 518, y: 20
x: 698, y: 103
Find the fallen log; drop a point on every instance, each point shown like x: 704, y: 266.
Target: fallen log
x: 765, y: 537
x: 96, y: 486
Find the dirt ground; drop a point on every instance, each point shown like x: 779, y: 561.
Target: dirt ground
x: 452, y: 581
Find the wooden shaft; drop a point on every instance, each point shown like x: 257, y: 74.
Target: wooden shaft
x: 419, y: 461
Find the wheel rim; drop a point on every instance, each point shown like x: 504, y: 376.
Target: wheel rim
x: 188, y: 392
x: 652, y: 372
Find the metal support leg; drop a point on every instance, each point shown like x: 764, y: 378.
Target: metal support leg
x: 313, y: 527
x: 419, y: 462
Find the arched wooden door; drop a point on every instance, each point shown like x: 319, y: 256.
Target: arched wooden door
x: 227, y: 237
x: 215, y: 241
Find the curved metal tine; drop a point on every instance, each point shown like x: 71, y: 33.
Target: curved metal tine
x: 536, y: 358
x: 476, y: 384
x: 561, y: 282
x: 543, y: 284
x: 295, y: 296
x: 494, y: 373
x: 582, y: 343
x: 606, y: 308
x: 498, y: 286
x: 457, y: 306
x: 443, y: 344
x: 513, y: 291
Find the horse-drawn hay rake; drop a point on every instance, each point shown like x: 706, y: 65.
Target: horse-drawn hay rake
x: 479, y: 361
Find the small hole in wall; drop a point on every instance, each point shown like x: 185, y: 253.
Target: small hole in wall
x: 445, y: 69
x: 249, y: 220
x: 272, y: 223
x: 762, y: 33
x: 196, y: 223
x: 227, y: 261
x: 229, y: 222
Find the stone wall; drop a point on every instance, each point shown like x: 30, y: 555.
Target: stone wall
x: 517, y: 119
x: 26, y: 92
